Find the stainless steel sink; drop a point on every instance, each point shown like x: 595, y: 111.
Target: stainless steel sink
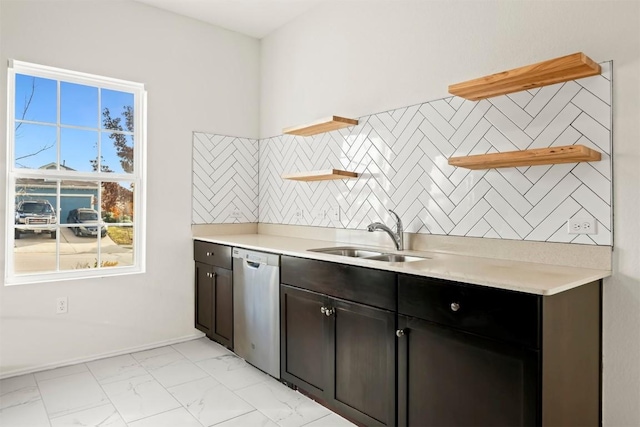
x: 348, y: 251
x: 396, y: 258
x: 365, y: 253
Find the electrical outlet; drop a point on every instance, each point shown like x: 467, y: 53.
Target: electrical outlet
x: 299, y: 214
x: 582, y: 226
x: 333, y: 213
x: 235, y: 213
x: 317, y: 214
x: 62, y: 305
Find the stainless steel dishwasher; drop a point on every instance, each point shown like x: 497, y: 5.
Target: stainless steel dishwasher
x: 256, y: 308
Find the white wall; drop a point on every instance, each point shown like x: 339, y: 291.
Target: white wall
x: 198, y: 77
x: 359, y: 58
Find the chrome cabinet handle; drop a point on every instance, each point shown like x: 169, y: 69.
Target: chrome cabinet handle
x: 455, y: 306
x: 400, y: 333
x: 209, y: 253
x: 327, y: 311
x: 211, y: 275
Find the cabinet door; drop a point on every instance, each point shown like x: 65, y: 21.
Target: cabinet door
x: 363, y: 384
x: 204, y: 298
x: 451, y: 378
x: 223, y: 307
x: 304, y: 338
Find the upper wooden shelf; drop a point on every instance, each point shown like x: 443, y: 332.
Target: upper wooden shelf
x: 565, y: 68
x: 536, y: 156
x: 324, y: 125
x: 321, y: 175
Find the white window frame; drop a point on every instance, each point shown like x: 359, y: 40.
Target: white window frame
x: 138, y: 177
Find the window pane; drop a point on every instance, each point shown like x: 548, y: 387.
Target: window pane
x: 117, y: 248
x: 117, y: 208
x: 35, y: 146
x: 34, y: 252
x: 78, y: 251
x: 78, y: 201
x: 117, y: 202
x: 78, y: 149
x: 78, y: 105
x: 79, y: 210
x: 117, y: 110
x: 36, y: 201
x: 117, y: 152
x: 36, y: 99
x: 35, y: 226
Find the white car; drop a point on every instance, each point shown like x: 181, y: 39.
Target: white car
x: 35, y: 212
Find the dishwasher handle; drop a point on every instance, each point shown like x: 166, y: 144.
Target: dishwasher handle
x: 255, y: 259
x: 253, y: 264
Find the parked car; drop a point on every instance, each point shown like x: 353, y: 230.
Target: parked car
x: 35, y: 212
x: 86, y: 216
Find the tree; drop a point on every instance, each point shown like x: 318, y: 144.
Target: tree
x: 115, y: 198
x: 110, y: 193
x: 124, y: 151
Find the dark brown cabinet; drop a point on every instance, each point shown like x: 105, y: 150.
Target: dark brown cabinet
x: 476, y: 356
x: 304, y: 352
x: 341, y: 352
x: 214, y: 292
x: 451, y: 378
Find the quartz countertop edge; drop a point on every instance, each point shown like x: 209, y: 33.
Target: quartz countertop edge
x: 533, y: 278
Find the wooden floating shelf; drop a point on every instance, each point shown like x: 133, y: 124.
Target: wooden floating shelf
x: 534, y: 157
x: 321, y: 175
x: 324, y: 125
x: 557, y: 70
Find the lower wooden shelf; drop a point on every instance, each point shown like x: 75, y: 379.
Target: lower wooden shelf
x: 320, y: 175
x: 536, y: 156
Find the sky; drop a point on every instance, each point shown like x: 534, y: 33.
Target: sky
x: 79, y: 106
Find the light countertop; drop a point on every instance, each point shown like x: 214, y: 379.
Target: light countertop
x: 540, y: 279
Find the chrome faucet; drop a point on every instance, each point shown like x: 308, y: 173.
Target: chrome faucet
x: 397, y: 237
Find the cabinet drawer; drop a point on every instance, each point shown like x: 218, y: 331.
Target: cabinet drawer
x: 505, y: 315
x: 212, y: 254
x: 363, y: 285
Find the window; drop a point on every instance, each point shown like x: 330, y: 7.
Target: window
x: 75, y: 175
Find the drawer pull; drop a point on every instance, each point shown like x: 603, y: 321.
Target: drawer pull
x: 455, y: 306
x: 211, y: 275
x: 209, y: 253
x: 400, y: 333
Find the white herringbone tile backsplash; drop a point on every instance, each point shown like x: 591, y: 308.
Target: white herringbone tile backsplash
x: 225, y: 179
x: 402, y: 154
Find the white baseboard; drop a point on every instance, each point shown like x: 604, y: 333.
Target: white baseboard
x: 68, y: 362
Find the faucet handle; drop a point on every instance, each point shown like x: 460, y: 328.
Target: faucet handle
x: 398, y: 220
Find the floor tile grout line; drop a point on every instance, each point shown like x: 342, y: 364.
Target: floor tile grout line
x: 107, y: 395
x: 86, y: 409
x: 238, y: 416
x: 61, y: 376
x: 168, y: 410
x: 318, y: 419
x: 46, y: 411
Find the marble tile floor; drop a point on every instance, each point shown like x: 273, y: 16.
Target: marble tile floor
x: 195, y: 383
